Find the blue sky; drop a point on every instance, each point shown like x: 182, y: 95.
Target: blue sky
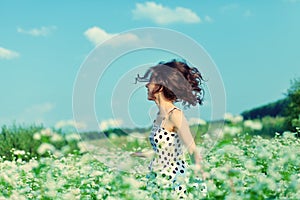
x: 43, y: 45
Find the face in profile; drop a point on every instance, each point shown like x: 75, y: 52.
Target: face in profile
x: 150, y: 86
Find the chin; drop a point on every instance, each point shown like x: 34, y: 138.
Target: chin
x: 150, y: 98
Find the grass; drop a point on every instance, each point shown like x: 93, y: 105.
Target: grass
x: 239, y: 166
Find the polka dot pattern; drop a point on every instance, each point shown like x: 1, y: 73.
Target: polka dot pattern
x: 168, y: 151
x: 168, y: 162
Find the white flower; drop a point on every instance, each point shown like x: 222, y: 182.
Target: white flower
x: 73, y: 137
x: 113, y: 136
x: 237, y: 119
x: 220, y: 175
x: 71, y: 123
x: 57, y: 154
x: 263, y: 152
x: 34, y: 163
x: 228, y: 116
x: 68, y: 195
x: 82, y: 147
x: 56, y: 138
x: 216, y: 134
x: 232, y: 149
x: 16, y: 196
x: 234, y: 119
x: 196, y: 121
x: 107, y: 179
x: 131, y: 181
x: 8, y: 179
x: 19, y: 152
x: 45, y: 147
x: 232, y: 130
x: 76, y: 191
x: 65, y: 149
x: 254, y: 125
x: 135, y: 136
x: 110, y: 123
x: 28, y: 166
x: 36, y: 136
x: 251, y: 165
x: 288, y: 134
x: 50, y: 192
x: 46, y: 132
x: 96, y: 173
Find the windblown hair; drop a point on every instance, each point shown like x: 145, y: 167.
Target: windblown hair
x: 177, y: 81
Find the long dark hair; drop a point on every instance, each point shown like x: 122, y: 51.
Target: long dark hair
x: 177, y: 81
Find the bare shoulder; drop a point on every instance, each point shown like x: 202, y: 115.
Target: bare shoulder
x: 176, y: 116
x: 179, y: 121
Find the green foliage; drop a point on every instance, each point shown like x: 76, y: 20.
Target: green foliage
x: 24, y: 142
x: 18, y: 137
x: 289, y: 108
x: 242, y: 167
x: 94, y: 135
x: 265, y: 127
x: 292, y: 110
x: 198, y: 131
x: 273, y: 109
x: 272, y: 125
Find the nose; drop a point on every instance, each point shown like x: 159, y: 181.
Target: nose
x: 147, y: 85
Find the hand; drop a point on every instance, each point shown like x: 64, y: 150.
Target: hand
x: 198, y: 170
x: 138, y: 154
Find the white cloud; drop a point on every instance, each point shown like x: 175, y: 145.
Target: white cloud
x: 8, y: 54
x: 97, y: 36
x: 164, y: 15
x: 43, y: 31
x: 234, y: 8
x: 291, y: 1
x: 110, y: 123
x: 248, y: 13
x: 40, y: 108
x: 229, y: 7
x: 35, y: 113
x: 72, y: 123
x: 208, y: 19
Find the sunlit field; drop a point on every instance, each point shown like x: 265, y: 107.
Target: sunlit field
x: 238, y: 163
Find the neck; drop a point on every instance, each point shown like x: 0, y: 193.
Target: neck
x: 163, y: 104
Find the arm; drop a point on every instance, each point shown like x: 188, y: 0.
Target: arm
x: 145, y: 154
x: 183, y: 130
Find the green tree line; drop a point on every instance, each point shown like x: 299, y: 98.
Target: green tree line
x: 288, y: 107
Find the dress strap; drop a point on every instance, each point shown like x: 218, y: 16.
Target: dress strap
x: 167, y: 115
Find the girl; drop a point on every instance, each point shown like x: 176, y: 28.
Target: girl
x: 168, y: 83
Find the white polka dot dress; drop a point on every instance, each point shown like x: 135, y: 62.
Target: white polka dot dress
x: 167, y: 168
